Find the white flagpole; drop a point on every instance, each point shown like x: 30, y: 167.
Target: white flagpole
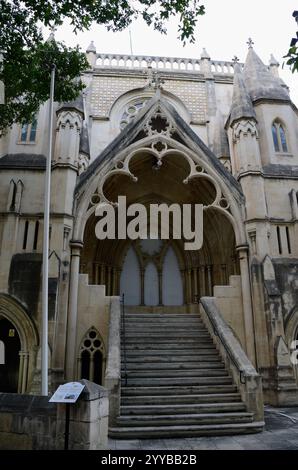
x: 45, y: 255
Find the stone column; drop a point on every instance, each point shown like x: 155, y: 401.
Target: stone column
x: 20, y: 379
x: 103, y: 275
x: 118, y: 274
x: 203, y: 282
x: 160, y: 287
x: 114, y: 281
x: 224, y: 277
x: 195, y: 281
x: 142, y: 286
x: 209, y: 279
x: 25, y: 372
x: 247, y: 303
x: 76, y: 247
x: 184, y: 285
x: 109, y: 281
x: 189, y: 286
x: 96, y: 277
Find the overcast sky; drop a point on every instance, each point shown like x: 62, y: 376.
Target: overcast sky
x: 223, y: 31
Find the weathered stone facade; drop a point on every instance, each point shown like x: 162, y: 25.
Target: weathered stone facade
x: 225, y: 136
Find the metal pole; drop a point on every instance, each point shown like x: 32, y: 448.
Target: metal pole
x: 66, y: 434
x: 45, y: 254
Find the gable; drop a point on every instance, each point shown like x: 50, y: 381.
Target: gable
x: 159, y: 118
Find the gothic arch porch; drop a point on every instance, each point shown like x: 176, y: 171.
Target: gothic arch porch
x: 157, y: 158
x: 161, y: 272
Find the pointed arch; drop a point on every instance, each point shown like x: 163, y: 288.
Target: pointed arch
x: 172, y: 288
x: 91, y: 357
x: 279, y: 136
x: 178, y: 140
x: 151, y: 291
x: 130, y: 279
x: 16, y: 314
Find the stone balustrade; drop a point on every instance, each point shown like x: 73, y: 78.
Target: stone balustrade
x: 164, y: 63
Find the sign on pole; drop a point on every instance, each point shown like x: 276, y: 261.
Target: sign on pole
x: 67, y: 393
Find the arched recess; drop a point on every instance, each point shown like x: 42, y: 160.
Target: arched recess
x: 151, y: 295
x: 291, y: 333
x: 86, y: 202
x: 144, y: 94
x: 164, y: 166
x: 200, y: 269
x: 172, y: 288
x: 13, y: 311
x: 91, y: 357
x: 130, y: 279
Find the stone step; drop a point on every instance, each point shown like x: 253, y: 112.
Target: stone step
x: 167, y: 334
x: 175, y: 373
x: 184, y: 419
x: 194, y: 340
x: 171, y: 381
x: 162, y: 316
x: 174, y: 380
x: 164, y: 325
x: 165, y: 356
x: 162, y: 366
x: 165, y: 329
x: 185, y: 408
x: 181, y: 399
x: 172, y: 390
x: 165, y: 348
x: 185, y: 431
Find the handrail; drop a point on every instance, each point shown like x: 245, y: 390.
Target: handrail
x: 113, y: 366
x: 230, y: 354
x: 248, y: 379
x: 123, y: 337
x: 227, y: 337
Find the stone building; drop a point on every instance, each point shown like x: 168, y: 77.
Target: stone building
x: 159, y: 130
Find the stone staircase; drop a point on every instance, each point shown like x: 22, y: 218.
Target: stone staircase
x: 177, y: 384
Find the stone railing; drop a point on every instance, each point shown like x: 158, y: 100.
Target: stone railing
x: 113, y: 367
x: 164, y: 63
x: 248, y: 381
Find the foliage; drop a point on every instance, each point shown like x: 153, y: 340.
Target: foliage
x: 28, y: 59
x: 292, y: 54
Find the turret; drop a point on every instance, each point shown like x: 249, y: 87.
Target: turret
x: 243, y: 134
x: 70, y: 118
x: 243, y: 124
x: 91, y: 54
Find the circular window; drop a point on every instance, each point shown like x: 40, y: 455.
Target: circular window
x: 131, y: 111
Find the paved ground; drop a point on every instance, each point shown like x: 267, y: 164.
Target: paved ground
x: 281, y: 433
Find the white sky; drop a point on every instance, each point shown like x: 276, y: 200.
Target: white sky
x: 223, y: 31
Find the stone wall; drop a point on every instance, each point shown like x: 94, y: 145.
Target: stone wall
x: 229, y: 302
x: 29, y: 422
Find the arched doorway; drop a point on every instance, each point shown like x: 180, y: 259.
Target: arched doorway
x: 20, y: 337
x: 9, y: 372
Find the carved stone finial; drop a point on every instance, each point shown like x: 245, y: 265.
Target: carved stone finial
x: 157, y: 81
x: 51, y: 38
x: 235, y: 59
x: 154, y: 79
x: 250, y: 43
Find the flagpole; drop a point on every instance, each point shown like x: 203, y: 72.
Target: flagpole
x: 45, y: 254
